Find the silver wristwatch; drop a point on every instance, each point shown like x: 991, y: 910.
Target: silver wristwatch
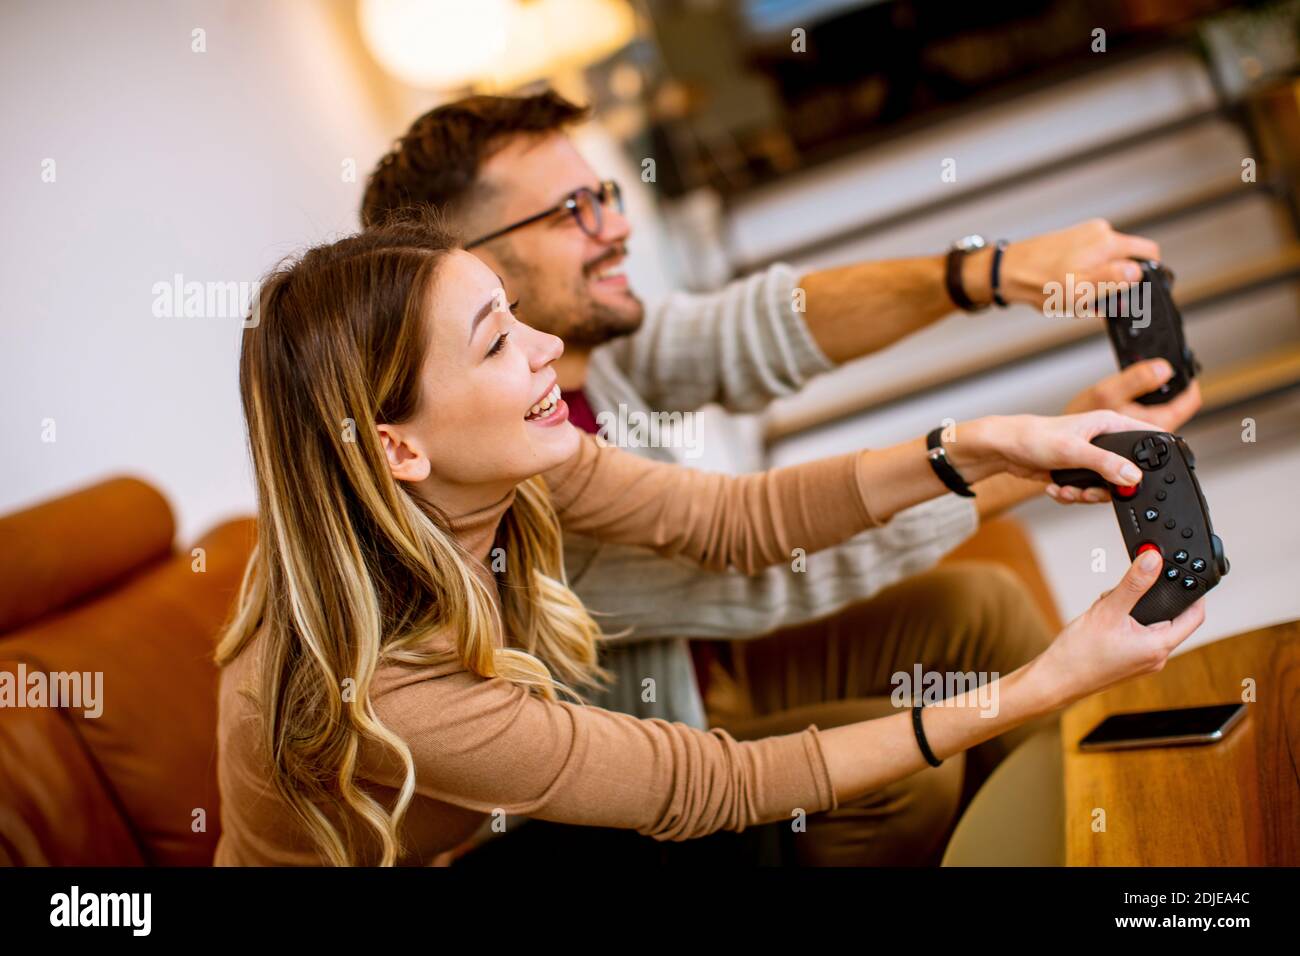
x: 952, y: 271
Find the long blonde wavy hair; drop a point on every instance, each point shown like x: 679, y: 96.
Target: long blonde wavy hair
x: 351, y: 568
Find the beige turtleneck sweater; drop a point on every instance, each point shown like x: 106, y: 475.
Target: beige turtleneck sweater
x: 486, y: 746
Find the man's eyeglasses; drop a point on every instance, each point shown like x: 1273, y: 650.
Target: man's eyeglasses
x: 585, y: 205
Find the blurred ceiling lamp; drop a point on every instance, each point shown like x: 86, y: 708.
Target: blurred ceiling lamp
x: 500, y: 44
x: 435, y: 44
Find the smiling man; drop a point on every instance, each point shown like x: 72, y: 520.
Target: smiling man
x: 810, y: 644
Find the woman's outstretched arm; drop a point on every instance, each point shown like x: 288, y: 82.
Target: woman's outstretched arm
x: 753, y: 521
x: 1099, y: 648
x: 488, y: 744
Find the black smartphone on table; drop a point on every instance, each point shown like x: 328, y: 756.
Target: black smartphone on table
x: 1164, y: 728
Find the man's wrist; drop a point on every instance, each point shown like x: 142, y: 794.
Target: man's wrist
x: 1015, y: 285
x: 977, y: 276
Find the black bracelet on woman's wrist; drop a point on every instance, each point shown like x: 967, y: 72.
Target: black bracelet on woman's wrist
x: 921, y: 742
x: 938, y: 457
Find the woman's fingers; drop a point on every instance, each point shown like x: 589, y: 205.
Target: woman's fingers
x: 1183, y: 626
x: 1066, y: 495
x: 1116, y: 469
x: 1163, y: 637
x: 1137, y: 580
x: 1105, y: 421
x: 1076, y: 450
x: 1069, y: 495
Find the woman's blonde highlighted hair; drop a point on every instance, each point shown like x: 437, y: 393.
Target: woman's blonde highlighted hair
x: 351, y: 568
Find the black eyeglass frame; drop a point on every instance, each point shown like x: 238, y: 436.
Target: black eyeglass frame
x: 608, y: 191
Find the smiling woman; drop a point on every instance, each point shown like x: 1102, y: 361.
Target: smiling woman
x: 471, y: 440
x: 359, y: 558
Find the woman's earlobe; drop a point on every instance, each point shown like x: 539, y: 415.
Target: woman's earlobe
x: 405, y: 463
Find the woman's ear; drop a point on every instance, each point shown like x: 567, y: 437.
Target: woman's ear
x: 405, y: 462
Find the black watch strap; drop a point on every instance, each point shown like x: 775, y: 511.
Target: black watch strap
x: 952, y: 280
x: 938, y: 457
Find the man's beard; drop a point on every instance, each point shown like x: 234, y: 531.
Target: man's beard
x: 594, y: 323
x: 580, y: 319
x: 598, y: 323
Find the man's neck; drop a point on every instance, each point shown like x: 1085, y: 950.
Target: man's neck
x: 571, y: 368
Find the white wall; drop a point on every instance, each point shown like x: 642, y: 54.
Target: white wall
x: 212, y: 165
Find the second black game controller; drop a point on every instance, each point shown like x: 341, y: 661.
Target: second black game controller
x: 1165, y: 512
x: 1148, y: 325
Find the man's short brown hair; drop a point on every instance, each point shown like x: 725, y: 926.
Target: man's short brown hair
x: 438, y: 161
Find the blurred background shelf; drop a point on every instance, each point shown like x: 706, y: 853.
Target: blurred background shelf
x: 1264, y: 376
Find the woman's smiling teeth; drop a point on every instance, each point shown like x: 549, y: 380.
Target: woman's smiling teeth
x: 546, y: 405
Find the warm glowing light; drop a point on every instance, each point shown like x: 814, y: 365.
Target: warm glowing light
x: 436, y: 44
x: 451, y: 44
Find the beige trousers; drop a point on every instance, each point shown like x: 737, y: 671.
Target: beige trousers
x: 964, y: 616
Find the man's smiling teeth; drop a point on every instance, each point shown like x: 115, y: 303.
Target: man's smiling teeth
x: 547, y: 404
x: 610, y: 272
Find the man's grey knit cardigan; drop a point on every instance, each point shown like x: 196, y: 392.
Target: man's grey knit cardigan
x: 741, y: 347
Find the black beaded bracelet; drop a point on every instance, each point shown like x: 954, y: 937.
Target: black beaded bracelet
x: 921, y: 742
x: 938, y: 457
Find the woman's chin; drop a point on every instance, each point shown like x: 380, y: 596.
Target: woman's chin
x: 554, y: 445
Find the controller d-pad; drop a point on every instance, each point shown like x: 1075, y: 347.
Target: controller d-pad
x: 1151, y: 452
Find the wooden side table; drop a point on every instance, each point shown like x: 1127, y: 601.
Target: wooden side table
x: 1232, y: 803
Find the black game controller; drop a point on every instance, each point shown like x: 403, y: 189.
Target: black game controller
x: 1166, y: 512
x: 1157, y: 332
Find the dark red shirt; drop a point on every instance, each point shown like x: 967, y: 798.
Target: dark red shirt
x: 580, y: 412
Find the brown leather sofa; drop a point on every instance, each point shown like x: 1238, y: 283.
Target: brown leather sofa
x: 91, y: 582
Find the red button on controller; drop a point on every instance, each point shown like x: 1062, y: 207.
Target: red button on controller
x: 1126, y: 491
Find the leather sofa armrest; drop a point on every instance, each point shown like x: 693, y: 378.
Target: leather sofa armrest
x: 54, y: 808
